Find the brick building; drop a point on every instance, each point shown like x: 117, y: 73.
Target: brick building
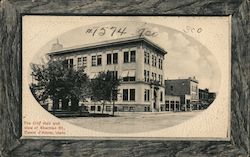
x: 186, y: 89
x: 206, y: 98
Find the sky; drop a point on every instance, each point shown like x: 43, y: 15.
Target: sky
x: 186, y: 56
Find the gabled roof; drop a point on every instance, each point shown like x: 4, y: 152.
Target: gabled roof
x: 107, y: 43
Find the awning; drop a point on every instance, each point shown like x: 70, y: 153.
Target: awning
x: 92, y: 75
x: 125, y: 73
x: 131, y: 73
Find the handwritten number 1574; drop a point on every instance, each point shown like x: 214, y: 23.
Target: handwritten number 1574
x: 101, y: 31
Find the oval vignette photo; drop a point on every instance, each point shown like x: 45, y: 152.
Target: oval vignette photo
x: 125, y: 77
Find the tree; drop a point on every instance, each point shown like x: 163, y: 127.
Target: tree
x: 105, y: 88
x: 55, y: 80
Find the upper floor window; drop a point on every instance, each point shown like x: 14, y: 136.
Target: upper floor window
x: 126, y: 57
x: 146, y: 95
x: 160, y: 63
x: 171, y: 87
x: 146, y: 57
x: 70, y: 63
x: 109, y: 58
x: 115, y: 58
x: 153, y: 60
x: 132, y: 94
x: 112, y: 58
x: 125, y: 94
x: 154, y: 76
x: 132, y: 56
x: 94, y: 61
x: 160, y: 77
x: 129, y: 56
x: 146, y: 76
x: 84, y: 61
x: 99, y: 60
x: 81, y: 62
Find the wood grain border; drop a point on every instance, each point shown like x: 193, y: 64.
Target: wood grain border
x: 10, y: 75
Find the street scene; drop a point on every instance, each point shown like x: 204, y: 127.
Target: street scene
x: 121, y: 82
x: 132, y: 122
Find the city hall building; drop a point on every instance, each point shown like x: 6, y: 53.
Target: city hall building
x: 136, y: 60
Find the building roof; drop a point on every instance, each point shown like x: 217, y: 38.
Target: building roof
x: 185, y: 79
x: 107, y: 43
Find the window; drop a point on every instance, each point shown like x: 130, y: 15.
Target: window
x: 160, y: 63
x: 167, y: 105
x: 92, y: 108
x: 84, y: 61
x: 125, y: 108
x: 125, y: 94
x: 146, y: 95
x: 161, y: 96
x: 70, y: 63
x: 146, y: 57
x: 98, y: 108
x: 131, y: 78
x: 153, y: 60
x: 129, y: 56
x: 132, y: 56
x: 99, y: 60
x: 79, y: 62
x: 126, y: 79
x: 147, y: 76
x: 114, y: 74
x: 160, y: 77
x: 108, y: 108
x: 128, y: 94
x: 147, y: 109
x: 93, y: 63
x: 132, y: 95
x: 131, y: 108
x: 115, y: 58
x: 172, y: 87
x: 153, y: 76
x: 172, y: 105
x: 126, y: 57
x: 109, y: 59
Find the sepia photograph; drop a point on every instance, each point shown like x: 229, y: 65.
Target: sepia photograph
x: 125, y: 77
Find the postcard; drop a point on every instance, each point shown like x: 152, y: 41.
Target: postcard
x: 126, y: 77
